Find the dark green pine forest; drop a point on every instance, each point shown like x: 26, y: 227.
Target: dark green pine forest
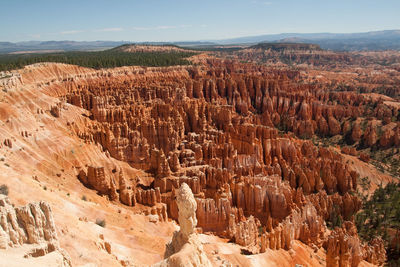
x: 97, y: 60
x: 380, y: 216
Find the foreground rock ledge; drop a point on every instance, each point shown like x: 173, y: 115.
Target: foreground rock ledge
x: 31, y: 232
x: 185, y: 249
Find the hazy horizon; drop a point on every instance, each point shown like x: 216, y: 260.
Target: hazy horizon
x: 202, y: 40
x: 161, y: 21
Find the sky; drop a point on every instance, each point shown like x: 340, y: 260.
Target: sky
x: 186, y: 20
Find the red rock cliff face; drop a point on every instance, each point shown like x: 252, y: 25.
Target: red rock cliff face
x: 215, y: 128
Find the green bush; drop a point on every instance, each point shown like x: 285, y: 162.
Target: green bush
x: 379, y: 216
x: 4, y: 189
x: 335, y: 219
x: 101, y: 222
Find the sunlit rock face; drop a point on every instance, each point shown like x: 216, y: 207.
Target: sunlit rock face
x: 218, y: 128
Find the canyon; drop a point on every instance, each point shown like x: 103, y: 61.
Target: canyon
x: 269, y: 157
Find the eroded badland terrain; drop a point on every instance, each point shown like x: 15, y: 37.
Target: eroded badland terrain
x: 260, y: 156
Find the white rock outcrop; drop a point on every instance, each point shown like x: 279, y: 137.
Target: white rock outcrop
x: 185, y: 249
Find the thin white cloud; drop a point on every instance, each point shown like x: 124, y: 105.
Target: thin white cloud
x: 140, y: 28
x: 110, y: 30
x: 71, y: 32
x: 161, y: 27
x: 165, y: 27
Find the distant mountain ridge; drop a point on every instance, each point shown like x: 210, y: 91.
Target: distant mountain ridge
x: 45, y: 46
x: 375, y: 40
x: 282, y: 46
x: 8, y: 47
x: 388, y: 34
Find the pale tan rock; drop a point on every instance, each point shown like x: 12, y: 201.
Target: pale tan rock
x: 30, y: 224
x: 185, y: 248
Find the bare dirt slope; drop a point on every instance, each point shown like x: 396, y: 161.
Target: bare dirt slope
x: 42, y: 164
